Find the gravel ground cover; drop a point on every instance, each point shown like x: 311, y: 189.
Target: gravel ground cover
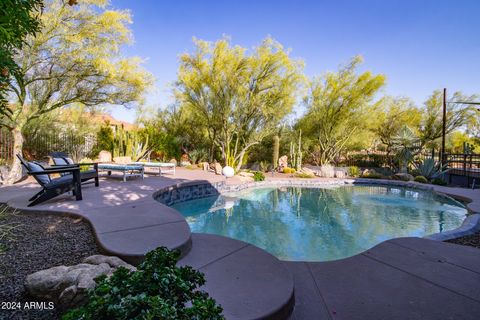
x: 32, y: 242
x: 472, y: 240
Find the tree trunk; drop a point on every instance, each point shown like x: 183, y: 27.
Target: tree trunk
x: 16, y: 171
x: 239, y: 164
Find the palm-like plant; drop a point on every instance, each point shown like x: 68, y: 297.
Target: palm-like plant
x: 405, y: 144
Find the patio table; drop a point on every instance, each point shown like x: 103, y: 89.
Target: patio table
x: 162, y: 167
x: 128, y: 170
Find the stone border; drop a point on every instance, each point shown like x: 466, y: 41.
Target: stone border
x: 194, y: 190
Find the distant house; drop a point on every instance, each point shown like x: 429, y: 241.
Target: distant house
x: 114, y: 123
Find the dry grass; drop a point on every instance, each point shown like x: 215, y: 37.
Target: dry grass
x: 7, y: 230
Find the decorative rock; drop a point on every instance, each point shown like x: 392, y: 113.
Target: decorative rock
x: 185, y: 163
x: 218, y: 168
x: 367, y: 172
x: 282, y: 163
x: 255, y: 167
x: 308, y: 171
x: 246, y: 174
x: 174, y: 161
x: 403, y: 177
x: 68, y: 286
x: 228, y: 171
x: 122, y: 160
x: 340, y: 174
x: 327, y: 171
x: 112, y: 261
x: 205, y: 166
x: 104, y: 156
x: 3, y: 173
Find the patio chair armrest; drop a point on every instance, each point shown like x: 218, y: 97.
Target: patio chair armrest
x: 54, y: 170
x: 64, y: 165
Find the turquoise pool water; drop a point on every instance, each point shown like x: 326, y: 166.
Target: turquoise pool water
x: 320, y: 224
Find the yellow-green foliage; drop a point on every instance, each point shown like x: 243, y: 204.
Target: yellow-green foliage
x: 339, y: 104
x: 420, y: 179
x: 353, y: 171
x: 239, y: 97
x: 75, y: 58
x: 85, y: 160
x: 303, y: 175
x: 289, y: 170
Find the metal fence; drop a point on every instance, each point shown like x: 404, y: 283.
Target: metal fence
x: 6, y: 146
x: 380, y: 159
x: 40, y: 146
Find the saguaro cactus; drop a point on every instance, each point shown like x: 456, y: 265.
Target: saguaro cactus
x: 299, y: 152
x: 276, y: 151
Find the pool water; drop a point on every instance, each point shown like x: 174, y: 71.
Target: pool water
x: 320, y: 224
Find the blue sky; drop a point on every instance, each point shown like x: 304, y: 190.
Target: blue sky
x: 419, y: 45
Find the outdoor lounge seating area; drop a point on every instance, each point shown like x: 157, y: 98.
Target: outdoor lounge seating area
x: 70, y: 180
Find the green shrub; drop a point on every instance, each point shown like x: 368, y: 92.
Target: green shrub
x: 439, y: 182
x: 258, y: 176
x: 421, y: 179
x: 353, y: 171
x: 157, y: 290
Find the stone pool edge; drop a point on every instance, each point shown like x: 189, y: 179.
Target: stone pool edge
x: 199, y: 189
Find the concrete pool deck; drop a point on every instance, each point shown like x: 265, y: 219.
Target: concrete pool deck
x: 398, y: 279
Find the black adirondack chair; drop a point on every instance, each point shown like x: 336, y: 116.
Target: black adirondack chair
x: 61, y: 159
x: 53, y: 187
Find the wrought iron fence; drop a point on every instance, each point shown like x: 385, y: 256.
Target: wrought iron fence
x: 6, y: 146
x: 41, y: 145
x: 463, y: 163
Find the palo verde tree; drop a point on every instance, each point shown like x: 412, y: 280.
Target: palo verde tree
x: 19, y: 18
x: 339, y: 104
x: 239, y: 97
x: 392, y: 116
x: 74, y: 58
x: 430, y: 128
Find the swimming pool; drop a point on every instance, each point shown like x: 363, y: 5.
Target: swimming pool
x: 322, y: 223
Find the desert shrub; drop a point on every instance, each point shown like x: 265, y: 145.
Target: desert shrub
x: 258, y: 176
x: 157, y: 290
x: 439, y: 182
x: 289, y: 170
x: 264, y: 166
x: 303, y: 175
x: 198, y: 155
x: 327, y: 171
x: 421, y: 179
x: 353, y: 171
x: 428, y: 168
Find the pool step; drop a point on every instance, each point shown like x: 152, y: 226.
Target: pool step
x: 246, y: 281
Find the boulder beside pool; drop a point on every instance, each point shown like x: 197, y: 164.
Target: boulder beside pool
x: 67, y: 286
